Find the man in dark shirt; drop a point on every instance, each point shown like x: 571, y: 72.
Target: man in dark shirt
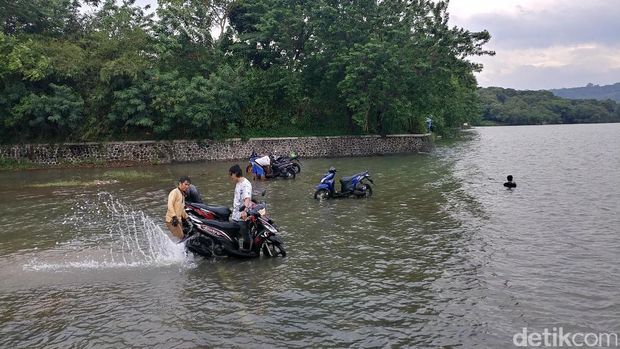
x: 193, y: 195
x: 510, y: 183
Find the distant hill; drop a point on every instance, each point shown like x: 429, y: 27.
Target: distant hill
x: 590, y: 91
x: 504, y: 106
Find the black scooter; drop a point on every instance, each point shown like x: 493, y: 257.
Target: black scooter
x: 293, y: 159
x: 215, y: 212
x: 277, y: 169
x: 212, y: 238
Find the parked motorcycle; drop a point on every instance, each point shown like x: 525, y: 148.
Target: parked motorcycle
x: 349, y: 186
x: 212, y: 238
x: 265, y: 167
x: 292, y: 158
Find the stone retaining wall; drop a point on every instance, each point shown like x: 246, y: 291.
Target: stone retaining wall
x: 170, y: 151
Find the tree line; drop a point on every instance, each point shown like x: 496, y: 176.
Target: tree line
x: 512, y: 107
x: 94, y: 70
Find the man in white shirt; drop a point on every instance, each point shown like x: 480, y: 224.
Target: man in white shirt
x: 243, y: 196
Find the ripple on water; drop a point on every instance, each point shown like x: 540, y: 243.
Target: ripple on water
x: 441, y: 255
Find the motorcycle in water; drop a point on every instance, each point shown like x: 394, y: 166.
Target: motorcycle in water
x: 215, y: 212
x: 265, y: 166
x: 212, y: 238
x: 349, y: 186
x: 293, y: 158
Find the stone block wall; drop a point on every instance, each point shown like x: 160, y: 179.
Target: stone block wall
x: 191, y: 150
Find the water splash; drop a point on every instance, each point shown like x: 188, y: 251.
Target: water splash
x: 108, y: 233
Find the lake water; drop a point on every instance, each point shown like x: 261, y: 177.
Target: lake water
x: 442, y: 255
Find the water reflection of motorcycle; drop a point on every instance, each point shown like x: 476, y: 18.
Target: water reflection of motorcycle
x: 350, y: 186
x: 212, y: 238
x: 265, y: 167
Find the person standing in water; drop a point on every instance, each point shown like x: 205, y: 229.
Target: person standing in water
x: 510, y: 184
x: 243, y: 197
x: 193, y: 195
x: 176, y: 208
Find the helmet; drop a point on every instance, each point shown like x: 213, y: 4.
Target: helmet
x: 332, y: 169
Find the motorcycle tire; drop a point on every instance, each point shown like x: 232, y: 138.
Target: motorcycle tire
x: 321, y: 194
x: 200, y: 245
x: 297, y: 168
x: 289, y: 174
x: 273, y: 250
x: 367, y: 193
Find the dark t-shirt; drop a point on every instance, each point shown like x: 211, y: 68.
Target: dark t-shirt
x: 510, y: 185
x: 193, y: 195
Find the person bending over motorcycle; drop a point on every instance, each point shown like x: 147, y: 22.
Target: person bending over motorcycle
x: 193, y: 195
x: 243, y: 196
x: 176, y: 205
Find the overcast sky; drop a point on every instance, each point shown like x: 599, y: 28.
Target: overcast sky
x: 542, y: 44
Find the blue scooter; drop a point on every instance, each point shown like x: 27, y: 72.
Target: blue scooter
x: 349, y: 186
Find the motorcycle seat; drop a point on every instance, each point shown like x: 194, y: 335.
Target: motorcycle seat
x: 345, y: 180
x: 229, y: 227
x: 218, y: 210
x: 350, y: 178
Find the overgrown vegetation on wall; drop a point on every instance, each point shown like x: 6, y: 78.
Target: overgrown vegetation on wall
x: 96, y: 70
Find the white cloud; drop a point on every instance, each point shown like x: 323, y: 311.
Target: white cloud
x: 552, y: 67
x: 545, y: 43
x: 467, y: 8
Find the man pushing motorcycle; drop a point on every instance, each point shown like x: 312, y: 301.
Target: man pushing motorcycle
x: 243, y: 197
x: 176, y: 205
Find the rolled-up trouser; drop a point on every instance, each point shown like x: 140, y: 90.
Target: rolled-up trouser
x: 176, y: 231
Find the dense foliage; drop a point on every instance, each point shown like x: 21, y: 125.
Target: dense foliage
x: 104, y: 69
x: 512, y: 107
x: 590, y: 91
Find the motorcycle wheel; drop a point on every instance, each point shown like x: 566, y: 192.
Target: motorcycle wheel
x: 368, y: 192
x: 290, y: 173
x: 200, y: 245
x: 218, y: 250
x: 297, y: 168
x: 273, y: 250
x: 321, y: 194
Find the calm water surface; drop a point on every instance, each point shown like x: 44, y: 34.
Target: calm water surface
x: 441, y: 255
